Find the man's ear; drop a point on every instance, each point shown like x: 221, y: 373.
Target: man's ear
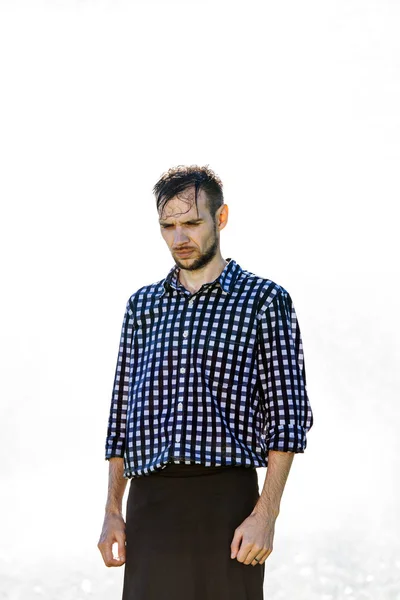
x: 222, y: 216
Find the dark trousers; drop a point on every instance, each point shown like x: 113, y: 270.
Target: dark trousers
x: 180, y: 523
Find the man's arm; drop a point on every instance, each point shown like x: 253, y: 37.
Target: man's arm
x: 116, y: 430
x: 116, y: 486
x: 288, y: 414
x: 114, y: 524
x: 268, y: 504
x: 287, y: 419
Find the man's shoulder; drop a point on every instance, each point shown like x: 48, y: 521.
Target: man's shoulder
x: 144, y: 293
x: 266, y: 289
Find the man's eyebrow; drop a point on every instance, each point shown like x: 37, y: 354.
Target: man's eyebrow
x: 188, y: 221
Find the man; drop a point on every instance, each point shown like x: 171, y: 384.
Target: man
x: 210, y: 380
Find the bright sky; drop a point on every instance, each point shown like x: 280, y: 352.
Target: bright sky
x: 295, y: 105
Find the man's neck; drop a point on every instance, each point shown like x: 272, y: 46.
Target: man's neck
x: 194, y: 284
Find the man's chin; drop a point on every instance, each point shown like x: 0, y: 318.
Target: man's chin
x: 188, y: 263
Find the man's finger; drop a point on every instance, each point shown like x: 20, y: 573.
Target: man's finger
x: 107, y: 554
x: 264, y: 557
x: 236, y: 543
x: 121, y: 546
x: 254, y: 551
x: 245, y: 550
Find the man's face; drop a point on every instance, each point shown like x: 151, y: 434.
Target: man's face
x: 184, y: 229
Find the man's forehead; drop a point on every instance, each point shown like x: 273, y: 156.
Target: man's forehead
x: 184, y: 207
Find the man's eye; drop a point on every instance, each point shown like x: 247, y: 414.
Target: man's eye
x: 192, y: 224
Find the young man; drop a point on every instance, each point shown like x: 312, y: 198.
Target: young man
x: 210, y: 384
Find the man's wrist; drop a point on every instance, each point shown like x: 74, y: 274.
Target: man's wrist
x: 113, y: 510
x: 268, y: 514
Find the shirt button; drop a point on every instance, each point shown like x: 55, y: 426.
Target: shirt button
x: 190, y: 302
x: 180, y: 405
x: 183, y: 369
x: 185, y: 334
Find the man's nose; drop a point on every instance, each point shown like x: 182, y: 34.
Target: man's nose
x: 180, y: 237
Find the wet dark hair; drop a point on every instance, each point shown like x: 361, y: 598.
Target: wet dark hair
x: 177, y: 179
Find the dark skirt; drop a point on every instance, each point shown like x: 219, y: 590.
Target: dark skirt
x: 180, y: 523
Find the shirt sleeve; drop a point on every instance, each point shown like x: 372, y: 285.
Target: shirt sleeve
x: 116, y: 430
x: 288, y: 414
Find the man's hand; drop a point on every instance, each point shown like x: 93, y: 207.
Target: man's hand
x: 113, y: 531
x: 256, y: 535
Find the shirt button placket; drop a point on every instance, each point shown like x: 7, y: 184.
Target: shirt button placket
x: 182, y: 371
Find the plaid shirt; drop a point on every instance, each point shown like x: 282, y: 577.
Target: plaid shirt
x: 216, y: 377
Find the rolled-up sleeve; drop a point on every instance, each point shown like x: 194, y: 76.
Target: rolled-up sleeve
x: 116, y: 430
x: 288, y: 414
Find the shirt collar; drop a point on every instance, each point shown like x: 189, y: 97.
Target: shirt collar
x: 226, y: 279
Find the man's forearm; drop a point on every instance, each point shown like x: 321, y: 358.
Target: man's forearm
x: 279, y: 463
x: 116, y: 485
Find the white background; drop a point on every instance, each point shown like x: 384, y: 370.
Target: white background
x: 295, y: 105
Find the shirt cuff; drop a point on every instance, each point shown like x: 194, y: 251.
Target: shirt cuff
x: 115, y: 447
x: 289, y: 437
